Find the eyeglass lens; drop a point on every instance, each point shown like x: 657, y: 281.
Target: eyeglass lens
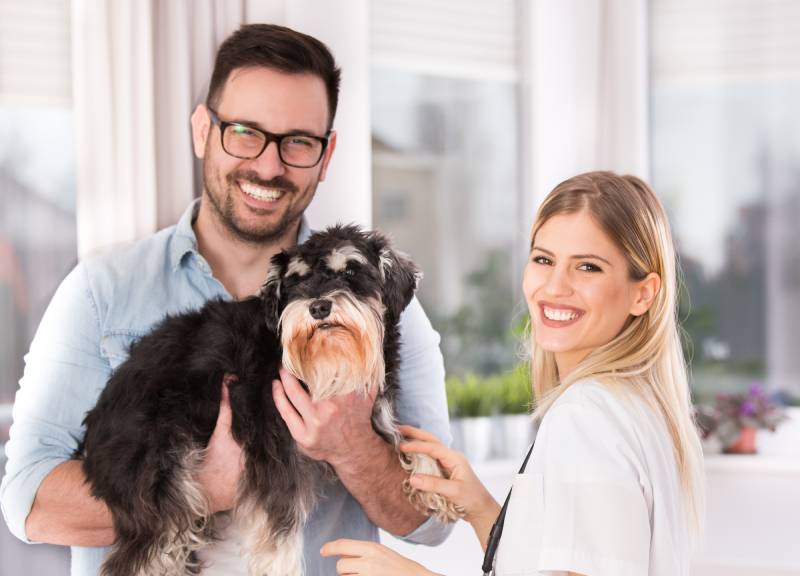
x: 294, y: 149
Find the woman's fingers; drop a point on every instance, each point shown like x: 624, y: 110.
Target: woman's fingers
x: 449, y: 459
x: 345, y: 547
x: 417, y: 433
x: 450, y: 489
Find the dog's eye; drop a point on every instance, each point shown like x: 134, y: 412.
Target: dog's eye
x: 349, y: 272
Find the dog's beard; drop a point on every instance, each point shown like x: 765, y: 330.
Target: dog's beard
x: 339, y: 354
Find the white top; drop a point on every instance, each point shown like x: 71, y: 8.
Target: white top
x: 600, y: 495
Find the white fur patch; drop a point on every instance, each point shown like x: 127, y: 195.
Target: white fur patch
x: 339, y: 257
x: 297, y: 266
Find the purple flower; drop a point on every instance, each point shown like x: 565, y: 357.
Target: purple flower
x: 747, y: 408
x: 756, y: 389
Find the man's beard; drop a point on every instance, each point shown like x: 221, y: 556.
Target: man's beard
x: 222, y: 202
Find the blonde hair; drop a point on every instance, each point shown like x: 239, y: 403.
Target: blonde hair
x: 646, y: 355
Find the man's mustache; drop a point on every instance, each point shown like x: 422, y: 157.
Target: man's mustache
x: 278, y: 182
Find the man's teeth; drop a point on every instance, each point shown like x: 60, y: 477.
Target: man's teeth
x: 560, y: 315
x: 259, y: 193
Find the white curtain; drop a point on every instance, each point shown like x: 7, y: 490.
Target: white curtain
x: 586, y: 89
x: 139, y: 68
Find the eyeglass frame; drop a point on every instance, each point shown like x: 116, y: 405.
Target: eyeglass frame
x: 269, y: 137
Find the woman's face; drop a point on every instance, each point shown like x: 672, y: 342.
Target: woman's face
x: 578, y: 289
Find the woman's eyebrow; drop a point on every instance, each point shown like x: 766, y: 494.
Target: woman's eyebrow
x: 574, y: 256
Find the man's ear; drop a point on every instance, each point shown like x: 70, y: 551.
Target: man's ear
x: 645, y: 294
x: 326, y: 158
x: 399, y: 275
x: 201, y: 127
x: 271, y: 290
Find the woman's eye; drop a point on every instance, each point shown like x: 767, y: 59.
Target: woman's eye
x: 589, y: 267
x: 544, y: 260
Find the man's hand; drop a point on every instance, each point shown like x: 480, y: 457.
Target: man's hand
x: 339, y: 431
x: 332, y: 430
x: 223, y: 464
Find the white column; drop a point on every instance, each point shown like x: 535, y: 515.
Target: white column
x: 346, y: 194
x: 586, y: 85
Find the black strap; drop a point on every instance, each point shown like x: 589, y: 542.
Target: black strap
x: 497, y: 529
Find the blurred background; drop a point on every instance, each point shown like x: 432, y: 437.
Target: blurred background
x: 456, y: 118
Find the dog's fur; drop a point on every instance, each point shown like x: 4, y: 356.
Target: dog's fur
x: 329, y: 312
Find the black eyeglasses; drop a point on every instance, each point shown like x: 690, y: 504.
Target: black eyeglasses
x: 246, y: 142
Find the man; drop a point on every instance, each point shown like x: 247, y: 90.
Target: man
x: 272, y: 89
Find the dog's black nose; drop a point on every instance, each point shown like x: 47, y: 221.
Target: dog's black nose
x: 320, y: 309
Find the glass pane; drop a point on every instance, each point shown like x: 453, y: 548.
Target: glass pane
x: 37, y: 234
x: 726, y: 160
x: 446, y: 188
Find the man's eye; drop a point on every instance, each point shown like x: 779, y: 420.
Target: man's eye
x: 240, y: 130
x: 300, y: 142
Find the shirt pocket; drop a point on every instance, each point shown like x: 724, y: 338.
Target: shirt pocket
x: 116, y: 345
x: 518, y: 552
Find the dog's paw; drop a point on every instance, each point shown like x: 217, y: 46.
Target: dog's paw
x: 428, y: 503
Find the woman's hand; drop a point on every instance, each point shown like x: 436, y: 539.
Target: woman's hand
x: 462, y: 487
x: 371, y: 559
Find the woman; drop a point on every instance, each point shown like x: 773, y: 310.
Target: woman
x: 614, y: 483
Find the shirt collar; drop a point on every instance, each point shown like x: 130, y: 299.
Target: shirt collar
x: 184, y: 240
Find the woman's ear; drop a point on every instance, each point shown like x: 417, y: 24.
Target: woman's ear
x: 645, y: 294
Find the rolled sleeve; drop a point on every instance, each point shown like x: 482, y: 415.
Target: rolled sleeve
x: 421, y: 400
x: 64, y: 373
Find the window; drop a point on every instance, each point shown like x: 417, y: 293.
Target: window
x: 37, y: 176
x: 446, y: 169
x: 726, y: 160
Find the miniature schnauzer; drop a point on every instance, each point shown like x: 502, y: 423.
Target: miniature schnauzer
x: 328, y: 312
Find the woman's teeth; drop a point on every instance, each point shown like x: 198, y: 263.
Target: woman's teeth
x: 259, y: 193
x: 559, y: 315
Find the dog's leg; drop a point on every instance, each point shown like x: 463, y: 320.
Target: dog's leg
x: 428, y: 503
x: 273, y: 547
x: 158, y: 534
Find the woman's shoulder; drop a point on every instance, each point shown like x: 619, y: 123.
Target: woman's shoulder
x: 590, y: 393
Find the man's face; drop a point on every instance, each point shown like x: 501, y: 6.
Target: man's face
x: 262, y: 199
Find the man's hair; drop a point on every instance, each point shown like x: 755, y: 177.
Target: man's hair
x: 279, y: 48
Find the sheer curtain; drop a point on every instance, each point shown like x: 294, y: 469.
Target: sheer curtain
x: 139, y: 67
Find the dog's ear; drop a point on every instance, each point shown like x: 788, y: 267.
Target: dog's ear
x: 271, y: 290
x: 399, y: 275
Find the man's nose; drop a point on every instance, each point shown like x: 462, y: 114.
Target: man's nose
x: 269, y: 164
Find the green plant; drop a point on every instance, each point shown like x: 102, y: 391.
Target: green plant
x: 515, y: 390
x: 474, y: 395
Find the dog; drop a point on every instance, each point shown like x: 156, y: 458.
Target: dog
x: 328, y: 312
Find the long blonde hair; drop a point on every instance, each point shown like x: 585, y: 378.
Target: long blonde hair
x: 646, y: 356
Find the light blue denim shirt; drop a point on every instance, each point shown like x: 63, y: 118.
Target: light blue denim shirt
x: 108, y: 301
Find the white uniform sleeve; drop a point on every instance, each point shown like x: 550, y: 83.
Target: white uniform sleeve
x: 596, y: 511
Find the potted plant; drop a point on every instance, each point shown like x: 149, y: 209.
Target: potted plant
x: 471, y: 401
x: 513, y: 428
x: 735, y: 418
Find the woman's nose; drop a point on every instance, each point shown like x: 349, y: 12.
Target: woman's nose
x: 558, y: 282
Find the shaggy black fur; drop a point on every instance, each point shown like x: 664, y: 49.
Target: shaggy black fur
x: 164, y: 400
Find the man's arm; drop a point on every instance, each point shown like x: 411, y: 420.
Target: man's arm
x: 339, y: 431
x: 64, y: 512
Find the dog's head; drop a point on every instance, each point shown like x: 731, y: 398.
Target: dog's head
x: 331, y: 299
